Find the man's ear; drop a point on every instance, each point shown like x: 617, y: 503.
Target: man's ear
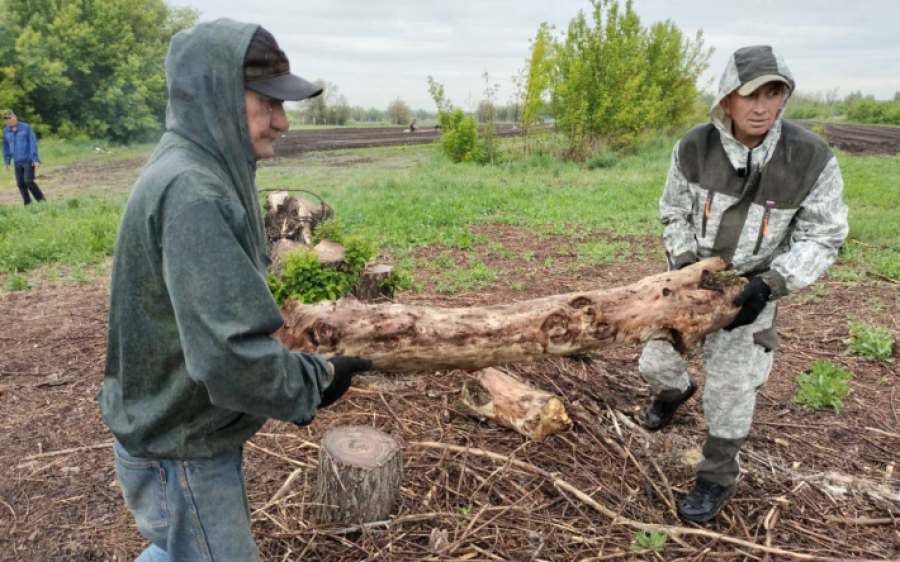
x: 725, y: 104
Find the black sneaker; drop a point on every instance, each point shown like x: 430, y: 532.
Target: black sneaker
x: 660, y: 413
x: 705, y: 500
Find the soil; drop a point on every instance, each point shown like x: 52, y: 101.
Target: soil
x: 861, y: 139
x: 59, y: 499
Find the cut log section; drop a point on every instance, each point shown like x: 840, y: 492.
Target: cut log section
x: 507, y: 401
x: 683, y: 306
x: 359, y: 475
x: 280, y: 250
x: 331, y: 254
x: 370, y: 282
x: 293, y: 218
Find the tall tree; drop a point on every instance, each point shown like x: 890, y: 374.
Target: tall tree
x: 399, y: 112
x: 88, y: 67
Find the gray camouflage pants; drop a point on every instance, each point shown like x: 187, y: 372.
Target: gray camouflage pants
x: 735, y: 367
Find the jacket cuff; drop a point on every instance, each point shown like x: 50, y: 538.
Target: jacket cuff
x: 776, y: 282
x: 681, y: 260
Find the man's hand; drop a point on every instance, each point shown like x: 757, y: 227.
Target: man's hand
x: 344, y: 368
x: 752, y: 301
x: 36, y: 164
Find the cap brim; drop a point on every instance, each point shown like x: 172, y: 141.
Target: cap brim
x: 753, y: 85
x: 288, y: 87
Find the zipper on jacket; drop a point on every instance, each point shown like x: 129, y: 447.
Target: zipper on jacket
x: 709, y: 199
x: 764, y: 227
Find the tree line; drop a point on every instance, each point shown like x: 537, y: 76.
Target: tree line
x: 88, y: 68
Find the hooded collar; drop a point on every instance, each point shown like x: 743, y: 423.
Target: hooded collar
x: 745, y: 65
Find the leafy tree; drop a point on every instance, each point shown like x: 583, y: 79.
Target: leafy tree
x: 535, y: 82
x: 399, y: 112
x: 88, y: 67
x: 459, y: 140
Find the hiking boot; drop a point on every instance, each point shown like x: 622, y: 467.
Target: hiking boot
x: 660, y: 413
x: 705, y: 500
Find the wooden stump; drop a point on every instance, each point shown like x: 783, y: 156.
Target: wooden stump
x: 359, y: 476
x: 331, y: 254
x: 370, y: 281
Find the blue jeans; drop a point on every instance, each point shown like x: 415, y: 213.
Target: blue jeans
x: 25, y: 181
x: 192, y: 511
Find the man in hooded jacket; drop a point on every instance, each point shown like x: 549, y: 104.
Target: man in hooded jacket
x: 766, y: 196
x: 192, y: 370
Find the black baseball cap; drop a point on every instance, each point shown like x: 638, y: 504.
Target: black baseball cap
x: 268, y: 72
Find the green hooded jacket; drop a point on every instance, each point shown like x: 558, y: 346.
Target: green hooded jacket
x: 191, y: 368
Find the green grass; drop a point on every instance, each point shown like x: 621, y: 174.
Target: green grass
x: 57, y: 153
x: 871, y: 342
x: 403, y: 198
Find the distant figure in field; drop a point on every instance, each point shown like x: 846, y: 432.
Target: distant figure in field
x: 412, y: 126
x: 766, y: 196
x: 20, y: 145
x: 437, y: 127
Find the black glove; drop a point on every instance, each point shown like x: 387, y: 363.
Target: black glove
x: 752, y: 301
x: 344, y: 369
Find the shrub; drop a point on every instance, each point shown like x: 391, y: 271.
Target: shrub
x: 602, y: 160
x: 826, y: 386
x: 304, y: 278
x: 460, y: 138
x: 873, y: 343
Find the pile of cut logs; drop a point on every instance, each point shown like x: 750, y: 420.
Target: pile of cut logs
x: 290, y: 222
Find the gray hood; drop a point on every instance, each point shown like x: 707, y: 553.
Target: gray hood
x: 747, y: 64
x: 204, y: 72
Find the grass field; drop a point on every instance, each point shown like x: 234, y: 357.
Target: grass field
x: 404, y: 198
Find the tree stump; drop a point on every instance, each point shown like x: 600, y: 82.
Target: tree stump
x: 359, y: 476
x: 331, y: 254
x: 370, y: 281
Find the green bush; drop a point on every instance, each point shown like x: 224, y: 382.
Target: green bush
x: 459, y: 140
x: 873, y: 343
x: 304, y: 278
x: 602, y: 161
x: 826, y: 386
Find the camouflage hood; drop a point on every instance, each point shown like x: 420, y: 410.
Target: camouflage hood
x: 744, y: 66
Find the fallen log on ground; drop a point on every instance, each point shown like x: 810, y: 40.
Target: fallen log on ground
x: 683, y: 306
x: 507, y: 401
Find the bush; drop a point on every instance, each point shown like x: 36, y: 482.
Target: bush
x: 875, y: 344
x: 826, y: 386
x: 602, y: 160
x: 460, y: 138
x: 304, y: 278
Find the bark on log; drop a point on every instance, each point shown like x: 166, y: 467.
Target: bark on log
x: 682, y: 305
x: 370, y: 281
x: 331, y: 254
x: 509, y: 402
x: 292, y: 218
x: 359, y: 475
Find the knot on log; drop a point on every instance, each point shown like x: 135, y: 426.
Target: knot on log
x: 323, y: 334
x: 557, y: 328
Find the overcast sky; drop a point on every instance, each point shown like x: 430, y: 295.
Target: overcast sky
x: 377, y: 50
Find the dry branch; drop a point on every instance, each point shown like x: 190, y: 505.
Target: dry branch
x: 670, y: 530
x: 682, y: 305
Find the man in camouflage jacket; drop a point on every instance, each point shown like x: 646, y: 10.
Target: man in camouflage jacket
x: 765, y: 196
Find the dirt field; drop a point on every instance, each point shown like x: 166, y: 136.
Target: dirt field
x: 309, y: 140
x: 814, y: 482
x: 862, y: 139
x: 60, y: 500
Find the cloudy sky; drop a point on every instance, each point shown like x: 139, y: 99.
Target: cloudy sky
x: 377, y: 50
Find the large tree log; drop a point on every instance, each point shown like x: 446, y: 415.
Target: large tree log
x: 682, y: 305
x: 507, y: 401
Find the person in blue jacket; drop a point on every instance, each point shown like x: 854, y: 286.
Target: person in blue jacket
x: 20, y: 145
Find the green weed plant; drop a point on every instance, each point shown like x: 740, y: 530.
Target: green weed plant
x: 870, y: 342
x: 826, y: 385
x: 654, y: 542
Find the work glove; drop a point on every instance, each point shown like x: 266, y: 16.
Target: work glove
x: 344, y: 369
x: 752, y: 301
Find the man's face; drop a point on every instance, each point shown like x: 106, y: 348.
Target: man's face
x: 11, y: 120
x: 266, y: 120
x: 755, y: 114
